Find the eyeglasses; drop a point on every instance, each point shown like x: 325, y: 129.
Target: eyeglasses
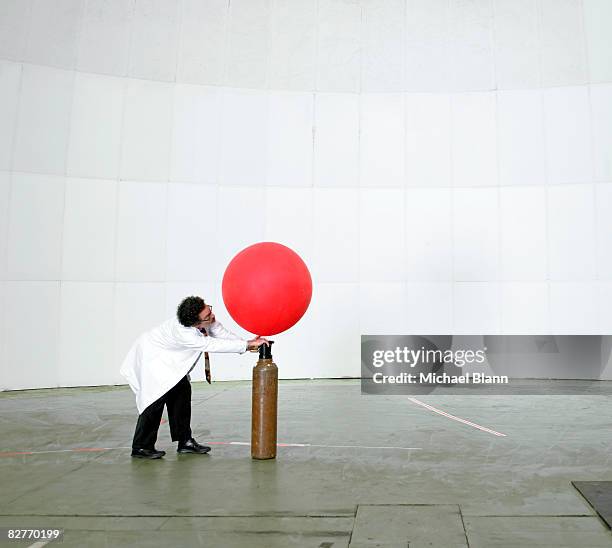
x: 209, y: 315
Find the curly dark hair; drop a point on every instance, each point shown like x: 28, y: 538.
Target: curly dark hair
x: 189, y: 309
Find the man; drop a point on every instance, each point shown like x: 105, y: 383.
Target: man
x: 157, y: 368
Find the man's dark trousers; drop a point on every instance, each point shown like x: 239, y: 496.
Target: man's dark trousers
x: 178, y: 402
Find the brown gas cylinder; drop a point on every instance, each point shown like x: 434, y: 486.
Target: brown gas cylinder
x: 265, y: 393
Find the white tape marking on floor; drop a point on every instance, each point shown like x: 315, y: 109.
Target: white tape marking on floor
x: 325, y: 446
x: 241, y: 443
x: 368, y: 447
x: 453, y: 417
x: 74, y: 450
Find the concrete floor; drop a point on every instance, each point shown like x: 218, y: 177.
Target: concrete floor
x: 380, y: 470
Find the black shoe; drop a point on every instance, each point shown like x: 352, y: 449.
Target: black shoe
x: 147, y: 453
x: 192, y: 446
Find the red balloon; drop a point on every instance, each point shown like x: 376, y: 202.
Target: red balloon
x: 266, y: 288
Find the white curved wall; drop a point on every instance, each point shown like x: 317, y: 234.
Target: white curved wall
x: 442, y: 166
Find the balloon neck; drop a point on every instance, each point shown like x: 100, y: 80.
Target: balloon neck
x: 265, y: 351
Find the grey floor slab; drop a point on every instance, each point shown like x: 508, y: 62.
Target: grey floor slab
x: 415, y: 526
x: 108, y: 539
x: 599, y: 496
x: 562, y: 531
x: 357, y: 452
x: 84, y: 523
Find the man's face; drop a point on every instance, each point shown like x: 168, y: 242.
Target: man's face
x: 206, y: 317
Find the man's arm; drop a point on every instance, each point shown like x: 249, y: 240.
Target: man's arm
x: 211, y: 344
x: 217, y: 330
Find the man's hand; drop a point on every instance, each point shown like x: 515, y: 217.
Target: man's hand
x: 255, y: 343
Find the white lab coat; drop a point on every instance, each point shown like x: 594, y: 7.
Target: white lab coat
x: 161, y: 357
